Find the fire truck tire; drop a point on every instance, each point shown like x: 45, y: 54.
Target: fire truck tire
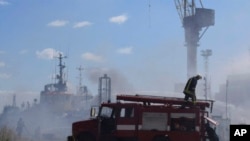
x: 161, y: 138
x: 70, y: 138
x: 85, y: 137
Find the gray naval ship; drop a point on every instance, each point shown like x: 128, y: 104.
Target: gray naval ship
x: 52, y: 116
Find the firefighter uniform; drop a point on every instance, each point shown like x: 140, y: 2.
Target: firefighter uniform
x: 189, y: 89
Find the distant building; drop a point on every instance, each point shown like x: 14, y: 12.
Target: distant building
x: 237, y: 89
x: 234, y: 91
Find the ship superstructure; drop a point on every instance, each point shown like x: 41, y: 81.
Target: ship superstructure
x: 57, y: 97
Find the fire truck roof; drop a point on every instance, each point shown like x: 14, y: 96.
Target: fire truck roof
x: 148, y: 99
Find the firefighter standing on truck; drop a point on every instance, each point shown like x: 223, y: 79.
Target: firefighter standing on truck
x: 189, y: 89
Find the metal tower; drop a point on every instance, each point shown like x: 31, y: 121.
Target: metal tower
x: 193, y: 20
x: 206, y: 53
x: 83, y: 90
x: 104, y: 89
x: 14, y: 100
x: 227, y: 99
x: 80, y: 90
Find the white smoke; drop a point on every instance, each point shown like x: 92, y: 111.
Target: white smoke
x: 237, y: 114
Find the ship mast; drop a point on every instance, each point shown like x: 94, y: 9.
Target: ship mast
x: 61, y: 85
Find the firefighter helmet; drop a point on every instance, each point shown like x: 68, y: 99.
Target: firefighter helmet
x: 199, y: 76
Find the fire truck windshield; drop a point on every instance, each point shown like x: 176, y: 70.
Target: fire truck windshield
x: 106, y: 112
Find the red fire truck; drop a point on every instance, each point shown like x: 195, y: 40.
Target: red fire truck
x: 146, y: 118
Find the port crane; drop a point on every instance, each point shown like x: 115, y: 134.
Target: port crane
x: 193, y: 20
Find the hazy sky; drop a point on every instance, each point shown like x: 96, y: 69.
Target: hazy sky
x: 141, y: 41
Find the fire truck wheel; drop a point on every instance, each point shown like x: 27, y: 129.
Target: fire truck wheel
x: 70, y: 138
x: 85, y: 137
x: 161, y: 138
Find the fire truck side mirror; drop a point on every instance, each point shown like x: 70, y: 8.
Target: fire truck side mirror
x: 94, y: 111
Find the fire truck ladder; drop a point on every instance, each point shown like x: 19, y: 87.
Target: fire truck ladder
x: 170, y: 101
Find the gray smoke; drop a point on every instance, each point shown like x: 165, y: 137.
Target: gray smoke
x: 119, y: 83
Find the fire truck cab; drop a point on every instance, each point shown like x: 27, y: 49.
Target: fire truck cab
x: 145, y: 118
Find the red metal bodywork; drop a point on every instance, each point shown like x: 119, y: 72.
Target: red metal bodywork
x: 146, y: 118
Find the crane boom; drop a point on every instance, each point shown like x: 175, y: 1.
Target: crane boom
x: 185, y: 8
